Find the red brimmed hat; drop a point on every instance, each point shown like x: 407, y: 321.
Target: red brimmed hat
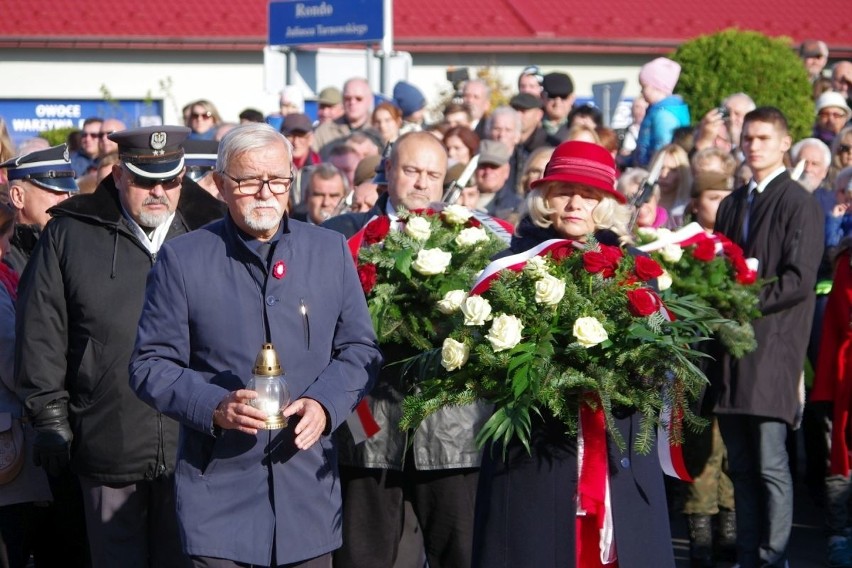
x: 585, y: 163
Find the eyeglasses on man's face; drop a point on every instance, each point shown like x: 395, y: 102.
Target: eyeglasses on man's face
x: 844, y: 148
x: 253, y: 185
x: 200, y: 115
x: 150, y: 183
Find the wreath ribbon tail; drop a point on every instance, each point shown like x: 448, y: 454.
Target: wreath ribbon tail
x: 594, y: 525
x: 671, y: 454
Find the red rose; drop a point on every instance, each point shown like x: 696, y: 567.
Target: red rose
x: 594, y: 262
x: 473, y: 222
x: 747, y: 277
x: 642, y: 302
x: 377, y: 230
x: 604, y: 262
x: 732, y: 249
x: 561, y: 252
x: 705, y: 251
x: 367, y: 276
x: 647, y: 268
x: 614, y: 254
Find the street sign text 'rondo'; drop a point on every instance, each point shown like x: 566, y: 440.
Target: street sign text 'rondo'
x: 306, y: 11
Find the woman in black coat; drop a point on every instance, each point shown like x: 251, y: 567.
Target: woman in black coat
x: 526, y: 513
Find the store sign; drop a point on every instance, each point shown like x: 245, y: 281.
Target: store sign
x: 28, y: 118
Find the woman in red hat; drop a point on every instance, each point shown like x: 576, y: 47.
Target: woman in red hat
x: 526, y: 512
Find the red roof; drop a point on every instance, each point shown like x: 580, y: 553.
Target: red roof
x: 491, y: 26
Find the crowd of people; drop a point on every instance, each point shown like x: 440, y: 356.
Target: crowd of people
x: 143, y: 268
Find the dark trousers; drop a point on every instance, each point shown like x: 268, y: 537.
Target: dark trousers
x: 16, y: 534
x: 373, y: 515
x: 763, y: 488
x: 60, y: 527
x: 323, y: 561
x: 133, y: 524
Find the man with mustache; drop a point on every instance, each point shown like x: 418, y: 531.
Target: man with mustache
x: 81, y: 297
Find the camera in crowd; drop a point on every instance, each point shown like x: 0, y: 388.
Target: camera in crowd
x: 724, y: 112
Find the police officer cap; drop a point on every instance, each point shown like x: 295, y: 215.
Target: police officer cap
x: 154, y: 152
x: 49, y: 169
x: 200, y: 153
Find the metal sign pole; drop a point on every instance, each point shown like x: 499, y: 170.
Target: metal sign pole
x: 387, y: 46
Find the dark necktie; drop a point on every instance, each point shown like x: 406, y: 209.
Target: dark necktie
x: 264, y: 250
x: 752, y: 194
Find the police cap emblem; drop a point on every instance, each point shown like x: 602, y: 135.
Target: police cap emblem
x: 158, y: 140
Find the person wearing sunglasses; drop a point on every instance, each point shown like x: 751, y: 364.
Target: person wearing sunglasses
x: 79, y: 301
x: 203, y: 118
x: 357, y: 112
x: 558, y: 96
x: 85, y: 158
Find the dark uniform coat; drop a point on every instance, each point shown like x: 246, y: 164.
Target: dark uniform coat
x: 80, y: 299
x: 786, y: 235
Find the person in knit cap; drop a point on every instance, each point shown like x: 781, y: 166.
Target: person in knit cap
x: 666, y: 113
x: 412, y: 103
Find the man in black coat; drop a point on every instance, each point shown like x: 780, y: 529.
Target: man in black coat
x: 81, y: 297
x: 780, y: 224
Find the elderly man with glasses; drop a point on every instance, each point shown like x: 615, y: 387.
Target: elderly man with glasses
x: 79, y: 302
x: 357, y: 109
x: 250, y: 492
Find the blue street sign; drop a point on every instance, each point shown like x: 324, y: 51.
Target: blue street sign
x: 27, y: 118
x: 299, y: 22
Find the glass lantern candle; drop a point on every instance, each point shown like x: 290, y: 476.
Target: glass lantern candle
x: 268, y: 382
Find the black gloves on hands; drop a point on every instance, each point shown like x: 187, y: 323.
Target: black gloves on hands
x: 52, y: 446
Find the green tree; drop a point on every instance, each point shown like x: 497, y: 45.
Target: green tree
x: 57, y: 136
x: 732, y: 61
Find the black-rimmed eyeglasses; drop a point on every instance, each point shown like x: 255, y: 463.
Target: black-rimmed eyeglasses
x: 253, y: 186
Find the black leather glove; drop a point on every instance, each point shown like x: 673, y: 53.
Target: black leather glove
x: 52, y: 445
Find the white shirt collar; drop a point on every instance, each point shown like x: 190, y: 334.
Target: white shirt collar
x: 766, y: 181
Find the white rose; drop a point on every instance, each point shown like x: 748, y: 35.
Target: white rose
x: 471, y: 236
x: 431, y: 261
x: 671, y: 253
x: 454, y: 354
x: 457, y: 214
x: 536, y: 267
x: 418, y: 228
x: 476, y: 310
x: 549, y: 290
x: 664, y: 234
x: 589, y: 332
x: 452, y: 301
x: 664, y: 281
x: 505, y: 332
x: 647, y: 232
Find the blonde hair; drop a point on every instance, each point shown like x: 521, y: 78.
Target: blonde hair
x: 608, y: 214
x: 684, y: 186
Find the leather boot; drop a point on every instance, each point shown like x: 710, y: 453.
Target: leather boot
x: 700, y: 541
x: 726, y: 535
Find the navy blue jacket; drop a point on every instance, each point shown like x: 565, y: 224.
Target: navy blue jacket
x: 201, y: 328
